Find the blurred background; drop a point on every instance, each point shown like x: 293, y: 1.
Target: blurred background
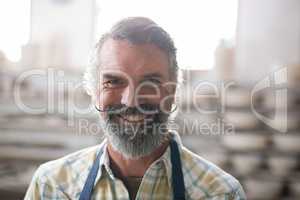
x: 240, y: 58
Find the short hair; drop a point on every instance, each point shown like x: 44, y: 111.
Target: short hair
x: 135, y: 30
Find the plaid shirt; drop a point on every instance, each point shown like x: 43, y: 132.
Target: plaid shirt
x: 64, y: 178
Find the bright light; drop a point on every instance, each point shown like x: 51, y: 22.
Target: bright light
x: 196, y: 26
x: 14, y: 27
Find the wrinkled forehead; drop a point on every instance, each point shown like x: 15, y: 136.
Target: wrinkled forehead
x: 134, y: 60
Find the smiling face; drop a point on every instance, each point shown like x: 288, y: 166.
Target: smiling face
x: 135, y: 85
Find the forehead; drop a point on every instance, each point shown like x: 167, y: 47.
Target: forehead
x: 133, y: 59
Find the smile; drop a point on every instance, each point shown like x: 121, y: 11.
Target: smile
x: 133, y: 118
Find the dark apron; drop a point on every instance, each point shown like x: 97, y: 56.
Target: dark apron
x: 177, y: 176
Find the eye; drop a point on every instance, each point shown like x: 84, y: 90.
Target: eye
x: 150, y: 85
x: 113, y: 83
x: 153, y: 81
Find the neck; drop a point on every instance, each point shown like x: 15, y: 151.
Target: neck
x: 124, y: 167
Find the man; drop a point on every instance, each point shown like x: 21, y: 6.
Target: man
x: 133, y: 82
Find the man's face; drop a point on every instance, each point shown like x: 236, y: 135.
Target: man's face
x: 136, y: 91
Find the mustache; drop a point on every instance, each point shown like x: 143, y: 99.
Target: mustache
x: 122, y: 109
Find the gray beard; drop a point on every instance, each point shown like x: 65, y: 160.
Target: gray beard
x: 134, y: 141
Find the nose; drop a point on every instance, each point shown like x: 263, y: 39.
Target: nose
x: 129, y: 97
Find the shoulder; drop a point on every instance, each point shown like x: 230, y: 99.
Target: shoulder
x: 61, y: 178
x: 204, y: 179
x: 70, y: 168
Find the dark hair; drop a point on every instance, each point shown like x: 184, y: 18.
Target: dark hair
x: 142, y: 30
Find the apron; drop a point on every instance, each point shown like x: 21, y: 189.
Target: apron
x: 177, y: 175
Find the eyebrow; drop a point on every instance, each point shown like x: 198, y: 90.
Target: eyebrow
x: 153, y: 75
x: 110, y: 76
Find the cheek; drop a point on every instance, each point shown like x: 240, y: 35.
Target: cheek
x: 153, y: 95
x: 108, y: 98
x: 166, y: 102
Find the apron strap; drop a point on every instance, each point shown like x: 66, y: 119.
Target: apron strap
x: 90, y: 181
x: 177, y: 175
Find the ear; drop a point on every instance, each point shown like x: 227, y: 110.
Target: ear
x: 95, y: 98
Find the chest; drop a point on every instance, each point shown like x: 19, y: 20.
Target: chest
x: 152, y: 187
